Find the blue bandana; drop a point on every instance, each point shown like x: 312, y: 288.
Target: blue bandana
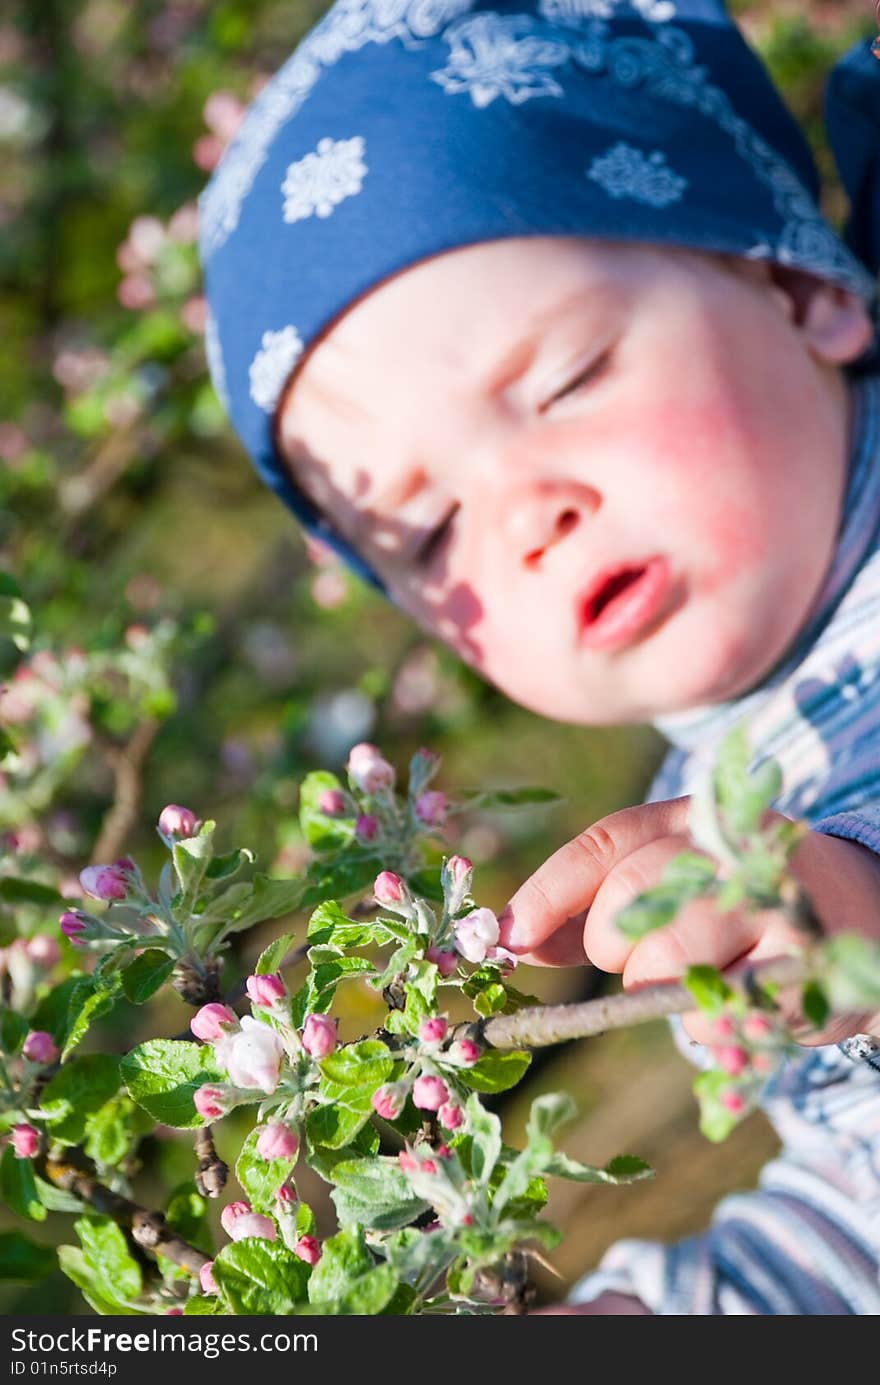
x: 400, y: 129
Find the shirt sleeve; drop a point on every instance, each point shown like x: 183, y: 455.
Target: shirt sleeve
x: 856, y: 825
x: 807, y: 1240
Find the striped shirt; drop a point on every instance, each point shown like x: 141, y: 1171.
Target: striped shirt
x: 808, y: 1239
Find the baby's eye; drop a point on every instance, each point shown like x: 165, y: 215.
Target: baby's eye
x: 584, y: 377
x: 427, y: 550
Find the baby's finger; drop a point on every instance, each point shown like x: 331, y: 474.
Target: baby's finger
x: 564, y: 948
x: 699, y: 935
x: 641, y: 870
x: 567, y: 882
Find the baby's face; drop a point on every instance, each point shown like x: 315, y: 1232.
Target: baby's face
x: 503, y: 427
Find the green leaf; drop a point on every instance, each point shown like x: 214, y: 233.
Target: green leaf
x: 323, y: 833
x: 345, y: 1258
x: 22, y: 1259
x: 370, y: 1294
x: 113, y: 1129
x: 260, y: 1277
x: 743, y: 797
x: 850, y: 972
x: 549, y: 1112
x: 15, y: 616
x: 330, y: 924
x: 116, y: 1273
x: 362, y: 1066
x: 56, y: 1199
x: 268, y: 899
x: 708, y: 988
x: 162, y: 1075
x: 316, y: 996
x: 339, y: 878
x: 374, y: 1193
x: 485, y: 1129
x: 323, y: 1160
x: 496, y: 1071
x: 146, y: 974
x: 260, y: 1178
x: 18, y: 1188
x: 202, y: 1306
x: 13, y: 1031
x: 687, y: 876
x: 815, y: 1004
x: 92, y: 997
x: 74, y: 1264
x: 187, y: 1215
x: 225, y: 867
x: 626, y: 1168
x: 53, y: 1011
x: 335, y: 1126
x: 16, y: 891
x: 192, y: 856
x: 716, y: 1122
x: 271, y: 957
x: 77, y: 1092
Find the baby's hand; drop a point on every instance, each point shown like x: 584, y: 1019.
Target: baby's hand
x: 564, y: 914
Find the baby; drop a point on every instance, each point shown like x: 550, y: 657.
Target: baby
x: 529, y: 312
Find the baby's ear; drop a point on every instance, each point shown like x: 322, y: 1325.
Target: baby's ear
x: 833, y: 321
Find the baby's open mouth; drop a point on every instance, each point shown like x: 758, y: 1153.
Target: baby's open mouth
x: 620, y: 601
x: 611, y: 588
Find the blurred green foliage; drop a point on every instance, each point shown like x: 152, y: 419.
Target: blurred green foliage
x: 126, y: 502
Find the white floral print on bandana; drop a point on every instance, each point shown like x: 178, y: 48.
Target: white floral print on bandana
x: 317, y: 183
x: 278, y: 353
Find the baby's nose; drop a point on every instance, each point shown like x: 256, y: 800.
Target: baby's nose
x: 537, y: 520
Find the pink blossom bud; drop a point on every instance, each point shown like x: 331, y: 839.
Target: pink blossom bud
x: 207, y: 152
x: 231, y: 1212
x: 212, y: 1021
x: 252, y: 1224
x: 431, y: 807
x: 223, y: 114
x: 25, y: 1141
x: 428, y: 1166
x: 175, y: 821
x: 732, y: 1101
x: 286, y: 1196
x: 72, y: 926
x: 40, y: 1047
x: 173, y: 1313
x: 445, y: 962
x: 136, y: 291
x: 476, y: 933
x: 146, y: 236
x: 103, y: 882
x: 389, y: 1100
x: 723, y: 1027
x: 125, y: 864
x: 366, y: 827
x: 319, y: 1035
x: 757, y: 1027
x: 464, y: 1053
x: 307, y: 1249
x: 763, y: 1062
x: 207, y: 1280
x: 732, y: 1059
x: 459, y: 868
x: 433, y: 1031
x: 368, y: 769
x: 211, y: 1101
x: 266, y: 990
x: 429, y: 1093
x: 443, y: 1152
x: 332, y: 802
x: 451, y: 1116
x: 194, y: 314
x: 388, y: 888
x: 252, y: 1056
x: 407, y: 1162
x: 43, y: 950
x: 277, y: 1141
